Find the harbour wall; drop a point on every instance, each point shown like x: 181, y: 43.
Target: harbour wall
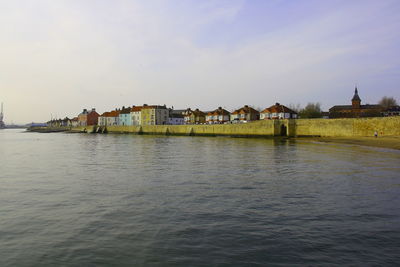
x: 258, y: 128
x: 387, y: 126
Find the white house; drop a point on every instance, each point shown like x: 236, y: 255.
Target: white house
x: 278, y: 111
x: 136, y: 114
x: 219, y: 115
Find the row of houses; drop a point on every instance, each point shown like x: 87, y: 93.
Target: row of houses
x: 83, y: 119
x: 161, y: 115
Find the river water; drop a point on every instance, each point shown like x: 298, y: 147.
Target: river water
x: 129, y: 200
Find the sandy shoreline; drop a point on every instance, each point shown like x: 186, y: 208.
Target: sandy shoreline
x: 392, y: 142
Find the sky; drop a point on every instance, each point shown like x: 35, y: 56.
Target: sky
x: 59, y: 57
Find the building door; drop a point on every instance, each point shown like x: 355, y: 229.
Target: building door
x: 283, y: 130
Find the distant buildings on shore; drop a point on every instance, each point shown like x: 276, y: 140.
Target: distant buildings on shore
x: 2, y: 125
x: 161, y: 115
x: 356, y: 110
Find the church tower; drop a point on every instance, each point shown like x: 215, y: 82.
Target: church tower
x: 356, y: 101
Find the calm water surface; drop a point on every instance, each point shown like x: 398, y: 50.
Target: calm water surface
x: 126, y: 200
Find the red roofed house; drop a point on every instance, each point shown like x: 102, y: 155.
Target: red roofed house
x: 113, y: 117
x: 103, y: 119
x: 92, y: 117
x: 136, y: 115
x: 245, y: 114
x: 88, y: 118
x: 278, y: 111
x: 219, y: 115
x: 194, y: 116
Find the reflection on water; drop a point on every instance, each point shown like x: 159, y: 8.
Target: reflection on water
x: 100, y: 200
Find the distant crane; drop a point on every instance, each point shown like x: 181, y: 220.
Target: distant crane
x: 2, y: 125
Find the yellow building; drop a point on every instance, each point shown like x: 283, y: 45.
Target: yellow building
x: 154, y: 115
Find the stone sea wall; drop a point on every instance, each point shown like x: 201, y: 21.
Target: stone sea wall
x: 258, y: 128
x: 388, y: 126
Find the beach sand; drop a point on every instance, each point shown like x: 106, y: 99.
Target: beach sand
x: 392, y: 142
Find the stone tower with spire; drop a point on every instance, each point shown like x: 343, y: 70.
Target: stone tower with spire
x: 356, y: 100
x: 355, y: 110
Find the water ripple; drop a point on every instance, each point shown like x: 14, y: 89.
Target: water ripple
x: 123, y: 200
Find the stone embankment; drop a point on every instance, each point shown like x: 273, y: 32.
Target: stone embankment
x: 387, y: 126
x: 252, y: 129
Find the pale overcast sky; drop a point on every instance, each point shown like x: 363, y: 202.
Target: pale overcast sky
x: 58, y: 57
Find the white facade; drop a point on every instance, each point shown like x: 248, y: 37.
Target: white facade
x: 275, y: 115
x: 112, y: 121
x: 136, y: 117
x: 210, y: 119
x: 102, y: 121
x: 75, y: 123
x: 234, y: 117
x: 217, y: 118
x: 240, y: 117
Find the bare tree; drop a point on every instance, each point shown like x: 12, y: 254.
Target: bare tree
x: 388, y: 102
x: 295, y: 107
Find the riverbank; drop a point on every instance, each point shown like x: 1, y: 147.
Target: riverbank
x: 392, y: 142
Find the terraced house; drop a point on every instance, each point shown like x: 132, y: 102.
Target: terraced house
x: 86, y: 118
x: 125, y: 118
x: 136, y: 115
x: 103, y: 119
x: 154, y: 115
x: 112, y: 118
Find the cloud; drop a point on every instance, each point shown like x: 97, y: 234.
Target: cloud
x: 68, y: 55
